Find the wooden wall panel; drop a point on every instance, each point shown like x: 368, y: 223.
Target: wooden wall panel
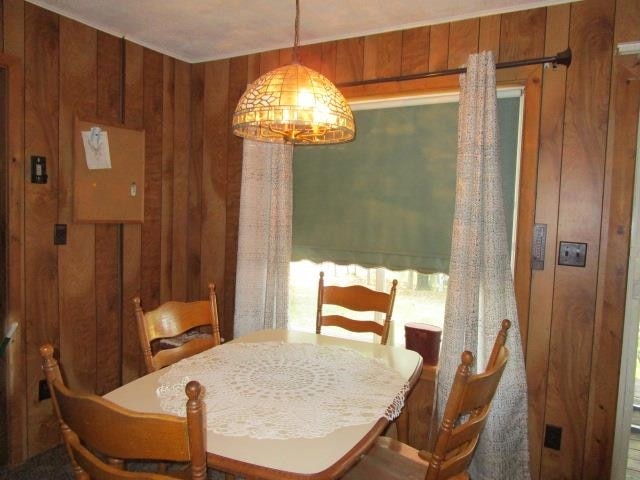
x: 269, y: 61
x: 16, y: 383
x: 415, y: 50
x: 522, y: 34
x: 107, y: 237
x: 151, y: 228
x: 568, y: 329
x: 439, y: 47
x: 132, y: 362
x: 1, y: 26
x: 463, y: 41
x: 195, y: 182
x: 167, y: 191
x: 76, y: 259
x: 239, y: 74
x: 329, y: 58
x: 13, y: 28
x: 548, y: 188
x: 381, y: 55
x: 309, y: 56
x: 621, y: 154
x: 214, y: 178
x: 181, y: 152
x: 579, y: 220
x: 613, y: 263
x: 41, y: 321
x: 489, y: 35
x: 349, y: 60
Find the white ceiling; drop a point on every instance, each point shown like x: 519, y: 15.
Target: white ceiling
x: 201, y: 30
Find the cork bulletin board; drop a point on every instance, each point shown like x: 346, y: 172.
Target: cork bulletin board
x: 115, y: 194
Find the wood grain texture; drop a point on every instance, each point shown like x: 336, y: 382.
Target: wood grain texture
x: 439, y: 47
x: 547, y: 199
x: 613, y: 263
x: 41, y: 321
x: 194, y: 205
x: 310, y: 56
x: 579, y: 220
x: 152, y: 227
x: 489, y: 35
x: 269, y: 61
x: 214, y: 178
x: 168, y: 161
x: 415, y: 50
x: 522, y: 34
x: 2, y: 50
x: 463, y: 41
x: 329, y: 56
x: 13, y: 28
x: 132, y: 363
x: 349, y: 60
x: 107, y: 237
x: 14, y: 374
x: 181, y: 153
x: 76, y: 259
x: 238, y: 75
x: 381, y: 57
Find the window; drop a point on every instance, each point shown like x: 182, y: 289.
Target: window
x: 381, y: 207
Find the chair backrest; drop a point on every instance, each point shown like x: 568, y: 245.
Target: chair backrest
x: 91, y: 424
x: 358, y: 298
x: 173, y: 320
x: 466, y: 412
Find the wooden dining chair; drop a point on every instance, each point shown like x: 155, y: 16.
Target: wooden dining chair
x: 176, y: 330
x: 100, y: 435
x: 464, y: 418
x: 358, y: 298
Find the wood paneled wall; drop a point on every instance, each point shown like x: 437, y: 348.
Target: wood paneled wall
x: 78, y: 295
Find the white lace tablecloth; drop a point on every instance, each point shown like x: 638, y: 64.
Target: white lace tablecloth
x: 285, y: 390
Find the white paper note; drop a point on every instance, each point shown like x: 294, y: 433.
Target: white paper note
x: 96, y: 149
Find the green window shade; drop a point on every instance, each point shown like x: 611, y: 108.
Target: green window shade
x: 387, y: 198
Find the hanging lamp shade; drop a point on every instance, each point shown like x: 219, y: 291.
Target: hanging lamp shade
x: 293, y: 104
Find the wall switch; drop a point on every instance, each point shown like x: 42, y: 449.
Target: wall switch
x: 38, y: 169
x: 572, y: 254
x: 60, y: 234
x: 552, y: 437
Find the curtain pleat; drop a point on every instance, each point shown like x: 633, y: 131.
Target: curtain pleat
x: 264, y: 238
x: 480, y: 291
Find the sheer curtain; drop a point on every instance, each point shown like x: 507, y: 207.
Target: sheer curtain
x: 264, y: 237
x: 480, y: 290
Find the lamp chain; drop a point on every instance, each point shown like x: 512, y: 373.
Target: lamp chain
x: 296, y: 37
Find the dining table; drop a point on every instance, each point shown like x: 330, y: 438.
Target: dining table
x: 285, y: 404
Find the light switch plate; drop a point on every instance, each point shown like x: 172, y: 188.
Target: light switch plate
x: 572, y: 254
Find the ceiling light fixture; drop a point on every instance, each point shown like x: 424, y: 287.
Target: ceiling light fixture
x: 294, y: 104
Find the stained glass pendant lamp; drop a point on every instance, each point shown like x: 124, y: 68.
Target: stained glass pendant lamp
x: 294, y: 104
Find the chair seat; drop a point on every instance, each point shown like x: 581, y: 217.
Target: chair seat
x: 389, y: 459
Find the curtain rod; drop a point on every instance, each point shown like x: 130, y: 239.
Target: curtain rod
x: 561, y: 58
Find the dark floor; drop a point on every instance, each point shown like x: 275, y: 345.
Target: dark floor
x: 51, y: 465
x: 54, y: 465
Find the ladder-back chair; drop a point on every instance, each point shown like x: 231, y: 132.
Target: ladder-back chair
x: 176, y: 330
x: 100, y: 435
x: 464, y: 418
x: 358, y: 298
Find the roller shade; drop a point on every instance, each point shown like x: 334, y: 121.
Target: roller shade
x: 387, y: 198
